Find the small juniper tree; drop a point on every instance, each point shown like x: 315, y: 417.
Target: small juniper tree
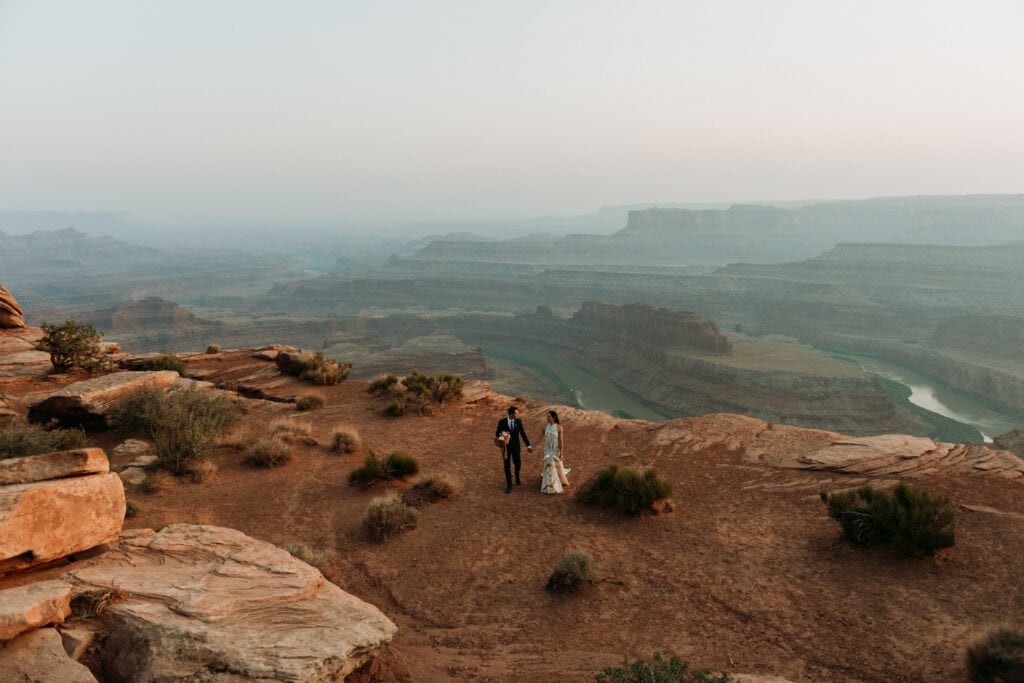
x: 72, y: 345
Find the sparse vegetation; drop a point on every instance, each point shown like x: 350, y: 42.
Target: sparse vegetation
x: 291, y: 431
x: 185, y: 425
x: 315, y: 368
x: 269, y: 452
x: 908, y: 519
x: 388, y: 515
x: 416, y: 392
x: 571, y: 572
x: 213, y: 348
x: 345, y: 441
x: 997, y: 657
x: 164, y: 361
x: 659, y: 670
x: 130, y: 509
x: 19, y: 438
x: 434, y: 488
x: 395, y: 466
x: 315, y: 558
x: 201, y: 470
x: 73, y: 345
x: 625, y: 489
x: 309, y: 400
x: 155, y: 481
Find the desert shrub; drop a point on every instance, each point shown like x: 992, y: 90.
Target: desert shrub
x: 908, y: 519
x: 130, y: 509
x: 73, y: 345
x: 659, y: 670
x: 213, y: 348
x: 185, y: 425
x: 388, y: 515
x: 625, y: 489
x: 399, y: 466
x: 436, y: 487
x: 997, y: 657
x: 315, y: 368
x: 417, y: 392
x: 269, y: 452
x: 311, y: 556
x: 382, y: 385
x: 201, y: 470
x: 164, y: 361
x: 370, y: 471
x: 309, y: 400
x: 290, y: 431
x: 345, y: 441
x: 571, y: 572
x: 22, y: 438
x: 154, y: 481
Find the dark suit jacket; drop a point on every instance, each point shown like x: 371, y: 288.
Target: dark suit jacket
x: 513, y: 445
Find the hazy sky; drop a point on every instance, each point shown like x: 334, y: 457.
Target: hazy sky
x: 351, y: 112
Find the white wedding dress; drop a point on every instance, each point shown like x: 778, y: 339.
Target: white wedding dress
x: 553, y: 477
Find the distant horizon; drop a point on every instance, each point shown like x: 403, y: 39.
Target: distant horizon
x: 353, y: 115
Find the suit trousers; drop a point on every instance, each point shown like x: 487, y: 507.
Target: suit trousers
x: 513, y: 458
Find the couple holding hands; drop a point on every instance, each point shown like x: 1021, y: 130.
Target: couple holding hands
x: 507, y: 436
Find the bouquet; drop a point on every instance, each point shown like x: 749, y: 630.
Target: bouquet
x: 501, y: 441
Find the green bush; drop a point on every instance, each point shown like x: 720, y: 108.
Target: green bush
x: 417, y: 392
x: 399, y: 466
x: 571, y: 572
x: 309, y: 400
x: 908, y: 519
x: 625, y: 489
x: 314, y: 558
x: 382, y: 385
x: 185, y: 425
x: 21, y: 438
x: 315, y: 368
x: 659, y: 670
x: 269, y: 452
x: 997, y: 657
x: 345, y: 441
x: 164, y: 361
x: 73, y: 345
x: 369, y: 472
x: 387, y: 516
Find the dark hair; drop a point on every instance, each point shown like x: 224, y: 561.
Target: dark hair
x: 554, y: 416
x: 512, y: 409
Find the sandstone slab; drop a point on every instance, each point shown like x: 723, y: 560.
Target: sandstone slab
x: 11, y: 314
x: 59, y: 465
x: 212, y: 604
x: 48, y: 520
x: 89, y: 403
x: 133, y: 475
x: 27, y: 607
x: 132, y: 447
x: 39, y: 657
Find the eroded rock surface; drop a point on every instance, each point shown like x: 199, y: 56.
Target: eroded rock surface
x: 89, y: 402
x: 208, y: 603
x: 11, y: 314
x: 39, y: 657
x: 28, y: 607
x: 59, y: 465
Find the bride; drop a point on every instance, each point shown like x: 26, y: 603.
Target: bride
x: 554, y: 441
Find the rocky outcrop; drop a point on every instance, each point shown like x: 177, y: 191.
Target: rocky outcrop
x: 89, y: 403
x: 56, y: 504
x: 39, y: 657
x: 641, y: 325
x: 1012, y: 441
x: 32, y: 606
x: 996, y: 336
x: 429, y: 353
x: 11, y: 314
x: 212, y: 604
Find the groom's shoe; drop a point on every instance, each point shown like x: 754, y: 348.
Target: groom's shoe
x: 518, y: 482
x: 508, y: 489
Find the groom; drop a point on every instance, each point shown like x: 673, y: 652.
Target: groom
x: 514, y: 426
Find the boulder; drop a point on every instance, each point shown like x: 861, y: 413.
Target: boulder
x: 59, y: 465
x: 77, y: 639
x: 89, y: 403
x: 48, y: 520
x: 212, y: 604
x: 24, y: 608
x: 39, y: 657
x: 133, y: 475
x: 11, y: 314
x: 132, y: 447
